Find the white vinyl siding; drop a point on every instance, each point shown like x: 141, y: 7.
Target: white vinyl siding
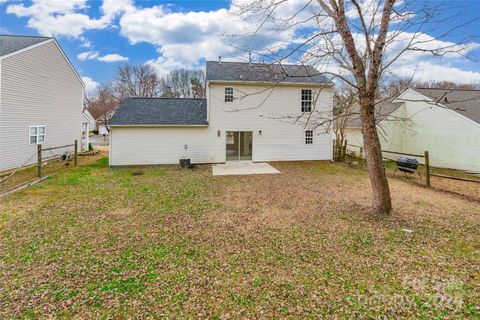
x: 38, y: 87
x: 162, y: 145
x: 268, y: 108
x: 452, y: 140
x: 280, y: 140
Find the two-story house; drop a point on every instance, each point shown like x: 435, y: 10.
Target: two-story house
x: 41, y: 99
x: 252, y: 112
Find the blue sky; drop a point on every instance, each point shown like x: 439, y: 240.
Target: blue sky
x: 100, y: 35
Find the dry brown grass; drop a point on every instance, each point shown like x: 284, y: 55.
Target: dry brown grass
x: 94, y: 242
x: 50, y: 167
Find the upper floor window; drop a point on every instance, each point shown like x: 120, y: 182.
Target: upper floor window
x: 228, y: 94
x: 37, y: 134
x: 306, y: 100
x: 308, y: 136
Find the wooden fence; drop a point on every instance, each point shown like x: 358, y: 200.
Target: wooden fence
x: 339, y: 150
x: 40, y: 151
x: 428, y: 171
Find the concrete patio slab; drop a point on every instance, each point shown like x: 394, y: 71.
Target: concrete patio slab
x: 242, y: 168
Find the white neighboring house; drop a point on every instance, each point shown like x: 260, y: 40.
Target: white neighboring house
x: 88, y: 125
x: 244, y: 118
x: 444, y: 122
x: 40, y: 99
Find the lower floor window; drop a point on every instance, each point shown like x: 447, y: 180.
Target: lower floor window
x: 308, y: 136
x: 37, y: 134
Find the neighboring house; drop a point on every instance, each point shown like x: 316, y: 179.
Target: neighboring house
x: 249, y: 114
x: 88, y: 125
x: 40, y: 99
x: 101, y: 123
x: 444, y: 122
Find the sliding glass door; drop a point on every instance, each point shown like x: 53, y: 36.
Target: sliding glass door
x: 239, y: 145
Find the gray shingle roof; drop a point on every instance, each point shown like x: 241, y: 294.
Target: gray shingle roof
x: 161, y: 111
x: 9, y: 43
x: 260, y: 72
x: 465, y: 102
x: 382, y: 110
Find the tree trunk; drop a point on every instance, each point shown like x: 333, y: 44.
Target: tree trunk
x: 382, y: 202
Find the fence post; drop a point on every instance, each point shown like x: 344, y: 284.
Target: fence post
x: 39, y: 160
x: 427, y: 169
x: 334, y: 145
x: 76, y: 153
x: 344, y: 151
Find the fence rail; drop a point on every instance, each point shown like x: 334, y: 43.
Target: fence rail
x: 40, y: 151
x: 65, y: 146
x: 454, y: 178
x: 428, y: 173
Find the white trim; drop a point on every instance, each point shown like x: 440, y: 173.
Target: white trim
x: 301, y: 100
x: 41, y: 44
x: 228, y: 94
x: 8, y: 55
x: 305, y: 137
x: 37, y: 134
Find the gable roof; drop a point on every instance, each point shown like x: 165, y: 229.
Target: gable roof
x: 262, y: 72
x: 10, y: 44
x: 382, y: 110
x: 161, y: 112
x: 88, y: 116
x: 465, y: 102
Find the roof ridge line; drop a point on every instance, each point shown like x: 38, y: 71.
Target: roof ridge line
x: 448, y: 89
x: 166, y: 98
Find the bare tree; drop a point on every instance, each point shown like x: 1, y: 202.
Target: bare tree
x: 396, y: 87
x: 349, y: 42
x: 345, y: 102
x: 102, y: 104
x: 183, y: 83
x: 136, y: 81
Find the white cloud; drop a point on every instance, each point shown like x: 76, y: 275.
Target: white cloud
x: 418, y: 63
x: 183, y: 39
x: 87, y: 55
x: 94, y: 55
x: 90, y: 84
x: 112, y: 58
x: 66, y: 17
x: 427, y: 71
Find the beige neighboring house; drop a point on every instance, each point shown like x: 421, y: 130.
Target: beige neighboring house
x: 245, y: 117
x: 444, y: 122
x: 40, y: 99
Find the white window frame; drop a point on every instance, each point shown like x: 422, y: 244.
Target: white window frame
x: 37, y: 134
x: 308, y: 137
x: 229, y: 94
x: 306, y: 97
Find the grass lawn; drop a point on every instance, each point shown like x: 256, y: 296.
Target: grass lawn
x: 93, y: 242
